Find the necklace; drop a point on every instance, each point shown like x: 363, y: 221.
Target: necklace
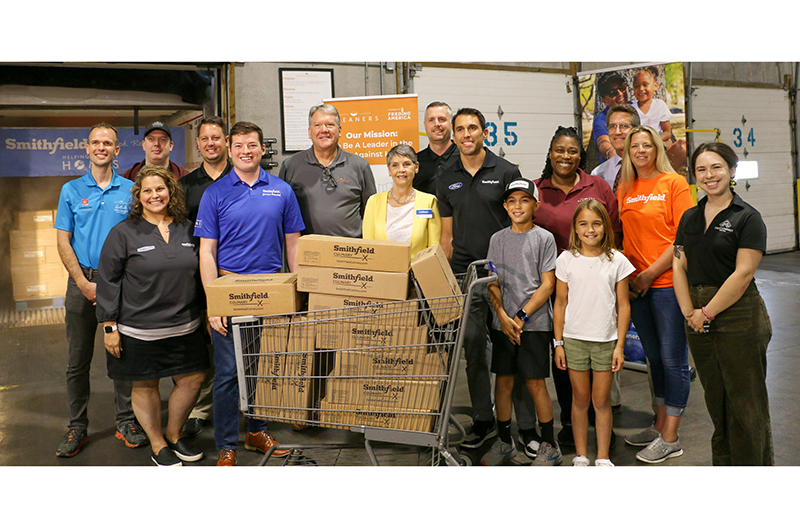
x: 166, y: 229
x: 413, y: 192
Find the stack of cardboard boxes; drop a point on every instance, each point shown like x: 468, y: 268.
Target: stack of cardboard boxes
x: 380, y: 370
x: 36, y: 268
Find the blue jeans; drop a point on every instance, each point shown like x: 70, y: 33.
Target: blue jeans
x: 660, y: 323
x: 226, y: 393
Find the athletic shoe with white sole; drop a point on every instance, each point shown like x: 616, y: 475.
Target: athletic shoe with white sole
x: 660, y: 450
x: 580, y: 460
x: 603, y: 462
x: 479, y: 433
x: 643, y: 437
x: 499, y: 453
x: 184, y: 451
x: 548, y: 455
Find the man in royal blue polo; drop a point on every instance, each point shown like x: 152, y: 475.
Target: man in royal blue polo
x: 244, y: 220
x: 87, y: 210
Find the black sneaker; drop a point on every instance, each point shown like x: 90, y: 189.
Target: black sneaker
x: 184, y: 451
x: 479, y: 433
x: 165, y: 458
x: 531, y: 445
x: 72, y: 443
x: 193, y: 427
x: 133, y: 435
x: 565, y: 436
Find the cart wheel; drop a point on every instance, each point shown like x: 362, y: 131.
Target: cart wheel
x: 465, y: 459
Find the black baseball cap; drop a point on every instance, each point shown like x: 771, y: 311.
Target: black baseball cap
x: 158, y: 125
x: 526, y: 186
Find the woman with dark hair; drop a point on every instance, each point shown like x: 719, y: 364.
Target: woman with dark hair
x: 147, y: 301
x: 652, y: 200
x: 718, y: 247
x: 562, y: 186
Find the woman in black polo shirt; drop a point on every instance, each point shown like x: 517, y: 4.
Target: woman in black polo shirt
x: 718, y: 247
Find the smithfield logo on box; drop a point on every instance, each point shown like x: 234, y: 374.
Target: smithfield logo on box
x: 352, y: 278
x: 248, y: 299
x: 369, y: 332
x: 385, y: 389
x: 353, y: 251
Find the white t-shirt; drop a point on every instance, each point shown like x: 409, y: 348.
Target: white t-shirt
x: 592, y: 298
x: 658, y: 112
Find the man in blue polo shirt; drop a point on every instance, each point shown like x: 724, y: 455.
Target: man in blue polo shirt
x: 244, y: 220
x: 87, y: 210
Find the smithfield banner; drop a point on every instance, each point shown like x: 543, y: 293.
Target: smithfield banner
x: 371, y: 126
x: 62, y: 152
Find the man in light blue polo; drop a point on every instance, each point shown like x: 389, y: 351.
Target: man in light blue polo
x: 87, y: 210
x: 244, y: 221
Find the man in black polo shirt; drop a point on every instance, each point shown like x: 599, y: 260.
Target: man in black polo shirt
x: 212, y: 144
x: 441, y: 152
x: 471, y: 206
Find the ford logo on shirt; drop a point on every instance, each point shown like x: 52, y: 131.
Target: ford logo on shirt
x: 455, y: 186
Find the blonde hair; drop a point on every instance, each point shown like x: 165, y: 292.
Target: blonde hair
x: 596, y: 207
x: 628, y: 174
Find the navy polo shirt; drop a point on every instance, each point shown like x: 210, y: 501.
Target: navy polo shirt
x: 475, y: 203
x: 249, y: 223
x: 89, y: 212
x: 711, y: 253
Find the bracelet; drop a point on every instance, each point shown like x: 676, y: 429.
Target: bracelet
x: 703, y: 309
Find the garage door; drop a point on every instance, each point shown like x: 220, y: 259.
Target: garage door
x: 755, y: 120
x: 522, y: 109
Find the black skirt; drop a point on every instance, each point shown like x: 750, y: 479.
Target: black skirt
x: 149, y: 360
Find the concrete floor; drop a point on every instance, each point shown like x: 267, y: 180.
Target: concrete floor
x: 33, y: 406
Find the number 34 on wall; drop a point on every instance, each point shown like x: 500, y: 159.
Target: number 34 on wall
x: 737, y: 137
x: 509, y: 136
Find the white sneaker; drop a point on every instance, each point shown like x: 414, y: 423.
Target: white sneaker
x: 604, y: 462
x: 580, y: 460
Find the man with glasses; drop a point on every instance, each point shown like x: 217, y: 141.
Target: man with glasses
x: 157, y: 144
x: 613, y: 90
x: 621, y: 119
x: 332, y: 185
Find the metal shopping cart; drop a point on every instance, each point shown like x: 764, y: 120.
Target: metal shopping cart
x: 386, y: 370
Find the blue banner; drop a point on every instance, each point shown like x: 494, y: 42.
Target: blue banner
x: 62, y: 152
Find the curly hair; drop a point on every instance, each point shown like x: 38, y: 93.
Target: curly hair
x: 570, y: 132
x: 176, y: 208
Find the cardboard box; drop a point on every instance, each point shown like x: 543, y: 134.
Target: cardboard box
x: 383, y: 363
x: 354, y: 335
x: 32, y: 238
x: 387, y: 394
x: 257, y: 294
x: 37, y: 282
x: 340, y: 416
x: 353, y: 253
x: 29, y: 220
x: 356, y: 283
x: 436, y: 279
x: 385, y: 312
x: 23, y: 258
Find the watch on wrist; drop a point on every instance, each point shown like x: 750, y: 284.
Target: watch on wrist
x: 557, y: 342
x: 522, y: 314
x: 110, y: 329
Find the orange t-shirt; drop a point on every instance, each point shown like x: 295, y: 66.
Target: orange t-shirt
x: 650, y: 212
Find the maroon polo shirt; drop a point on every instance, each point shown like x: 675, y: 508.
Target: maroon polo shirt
x: 556, y: 209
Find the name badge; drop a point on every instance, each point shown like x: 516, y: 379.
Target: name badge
x: 424, y: 213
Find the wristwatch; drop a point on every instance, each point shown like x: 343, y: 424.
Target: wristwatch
x: 110, y: 329
x: 557, y: 342
x: 522, y: 314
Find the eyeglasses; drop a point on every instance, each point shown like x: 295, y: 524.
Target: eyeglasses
x: 623, y: 127
x: 328, y: 178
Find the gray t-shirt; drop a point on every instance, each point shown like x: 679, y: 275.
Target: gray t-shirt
x: 329, y: 210
x: 520, y: 260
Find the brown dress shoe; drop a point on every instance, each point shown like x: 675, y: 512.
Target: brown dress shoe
x: 262, y: 441
x: 227, y: 457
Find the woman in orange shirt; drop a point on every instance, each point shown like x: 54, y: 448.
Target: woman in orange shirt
x: 652, y: 200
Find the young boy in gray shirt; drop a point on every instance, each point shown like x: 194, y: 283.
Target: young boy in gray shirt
x: 524, y: 258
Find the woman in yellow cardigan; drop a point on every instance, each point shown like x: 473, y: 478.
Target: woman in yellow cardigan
x: 403, y: 214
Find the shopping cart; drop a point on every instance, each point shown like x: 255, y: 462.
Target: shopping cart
x: 386, y: 370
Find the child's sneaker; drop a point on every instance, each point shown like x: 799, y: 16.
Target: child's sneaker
x: 603, y: 462
x: 659, y: 450
x: 580, y: 460
x: 548, y: 455
x: 531, y: 447
x: 499, y: 453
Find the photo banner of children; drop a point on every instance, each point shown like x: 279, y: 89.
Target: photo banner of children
x: 657, y: 93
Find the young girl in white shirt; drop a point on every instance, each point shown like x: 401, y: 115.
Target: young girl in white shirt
x: 590, y: 319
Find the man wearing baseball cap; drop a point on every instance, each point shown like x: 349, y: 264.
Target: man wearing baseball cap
x: 157, y: 144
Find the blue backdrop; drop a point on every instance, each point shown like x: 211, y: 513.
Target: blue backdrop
x: 62, y: 152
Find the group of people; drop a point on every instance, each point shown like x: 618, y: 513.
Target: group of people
x: 577, y: 257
